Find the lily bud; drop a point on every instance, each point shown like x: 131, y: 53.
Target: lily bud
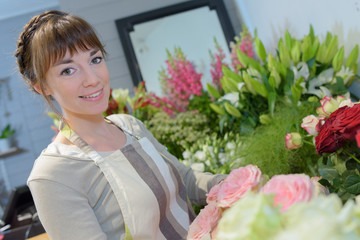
x: 338, y: 59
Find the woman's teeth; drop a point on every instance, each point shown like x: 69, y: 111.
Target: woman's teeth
x: 92, y: 96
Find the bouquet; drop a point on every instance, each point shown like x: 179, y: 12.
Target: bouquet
x: 280, y: 193
x: 335, y: 133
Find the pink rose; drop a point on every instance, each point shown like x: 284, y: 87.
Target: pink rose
x: 328, y: 106
x: 289, y: 189
x: 309, y: 124
x: 293, y: 140
x: 205, y: 222
x: 346, y: 102
x: 212, y: 196
x: 239, y: 182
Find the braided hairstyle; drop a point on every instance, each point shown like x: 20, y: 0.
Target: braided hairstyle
x: 45, y: 40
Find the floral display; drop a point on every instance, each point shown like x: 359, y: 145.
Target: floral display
x: 324, y: 217
x: 237, y: 189
x: 180, y: 81
x: 282, y: 123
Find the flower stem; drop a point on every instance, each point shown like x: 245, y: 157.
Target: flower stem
x: 307, y: 142
x: 352, y: 155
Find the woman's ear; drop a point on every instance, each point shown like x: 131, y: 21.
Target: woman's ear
x: 44, y: 91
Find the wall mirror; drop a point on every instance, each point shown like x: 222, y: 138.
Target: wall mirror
x: 191, y: 25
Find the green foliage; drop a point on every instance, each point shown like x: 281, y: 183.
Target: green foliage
x: 180, y: 132
x: 7, y: 132
x: 265, y: 147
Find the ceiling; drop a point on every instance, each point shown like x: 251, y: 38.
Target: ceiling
x: 11, y: 8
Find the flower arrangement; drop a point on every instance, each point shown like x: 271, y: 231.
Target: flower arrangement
x: 334, y: 132
x: 224, y: 219
x: 299, y: 69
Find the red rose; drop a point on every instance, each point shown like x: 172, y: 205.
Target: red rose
x: 339, y: 127
x: 358, y: 138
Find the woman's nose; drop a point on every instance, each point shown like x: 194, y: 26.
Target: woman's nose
x: 90, y: 77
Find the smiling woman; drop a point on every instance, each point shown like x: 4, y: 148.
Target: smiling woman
x: 91, y: 181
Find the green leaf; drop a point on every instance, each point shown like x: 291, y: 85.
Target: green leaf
x: 353, y: 57
x: 329, y: 173
x: 231, y: 74
x: 352, y: 184
x: 338, y: 59
x: 232, y: 110
x: 213, y: 91
x: 219, y: 110
x: 260, y: 49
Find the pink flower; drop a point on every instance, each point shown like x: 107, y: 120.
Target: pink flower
x: 245, y: 44
x: 346, y: 102
x: 357, y: 137
x: 205, y: 222
x: 212, y: 196
x: 309, y: 124
x: 289, y: 189
x: 293, y: 140
x: 237, y: 184
x: 328, y: 106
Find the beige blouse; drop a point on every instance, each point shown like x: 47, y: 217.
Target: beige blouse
x: 74, y: 199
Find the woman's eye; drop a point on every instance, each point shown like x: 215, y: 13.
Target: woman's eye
x: 96, y: 60
x: 67, y: 71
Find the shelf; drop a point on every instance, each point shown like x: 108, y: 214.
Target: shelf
x: 10, y: 152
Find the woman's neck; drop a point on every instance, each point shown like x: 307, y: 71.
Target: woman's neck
x: 97, y: 132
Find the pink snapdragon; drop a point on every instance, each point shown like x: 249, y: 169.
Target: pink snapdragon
x: 181, y: 81
x: 216, y: 65
x: 245, y: 44
x: 289, y: 189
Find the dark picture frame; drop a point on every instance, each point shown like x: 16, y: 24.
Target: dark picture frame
x: 126, y: 25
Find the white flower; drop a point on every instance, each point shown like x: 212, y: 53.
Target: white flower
x: 232, y: 97
x: 230, y: 145
x: 346, y: 102
x: 323, y: 78
x: 120, y: 95
x: 200, y: 155
x: 345, y: 74
x: 301, y: 70
x: 222, y: 158
x: 198, y: 167
x: 186, y: 154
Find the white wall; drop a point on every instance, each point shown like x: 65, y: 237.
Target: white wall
x: 272, y: 18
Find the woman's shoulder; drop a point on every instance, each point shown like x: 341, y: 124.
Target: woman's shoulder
x: 128, y: 123
x: 58, y: 162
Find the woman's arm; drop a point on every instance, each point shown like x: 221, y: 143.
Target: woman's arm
x: 64, y: 212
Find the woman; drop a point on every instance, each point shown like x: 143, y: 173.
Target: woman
x: 100, y: 178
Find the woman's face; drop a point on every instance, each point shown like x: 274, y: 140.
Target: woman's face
x: 80, y: 83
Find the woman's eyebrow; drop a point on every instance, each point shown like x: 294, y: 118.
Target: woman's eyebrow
x: 66, y: 61
x: 93, y: 52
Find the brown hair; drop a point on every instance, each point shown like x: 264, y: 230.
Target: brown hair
x: 45, y: 39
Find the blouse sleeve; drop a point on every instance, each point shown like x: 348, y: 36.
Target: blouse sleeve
x: 64, y: 212
x: 198, y: 184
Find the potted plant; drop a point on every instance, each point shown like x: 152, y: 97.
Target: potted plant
x: 6, y: 133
